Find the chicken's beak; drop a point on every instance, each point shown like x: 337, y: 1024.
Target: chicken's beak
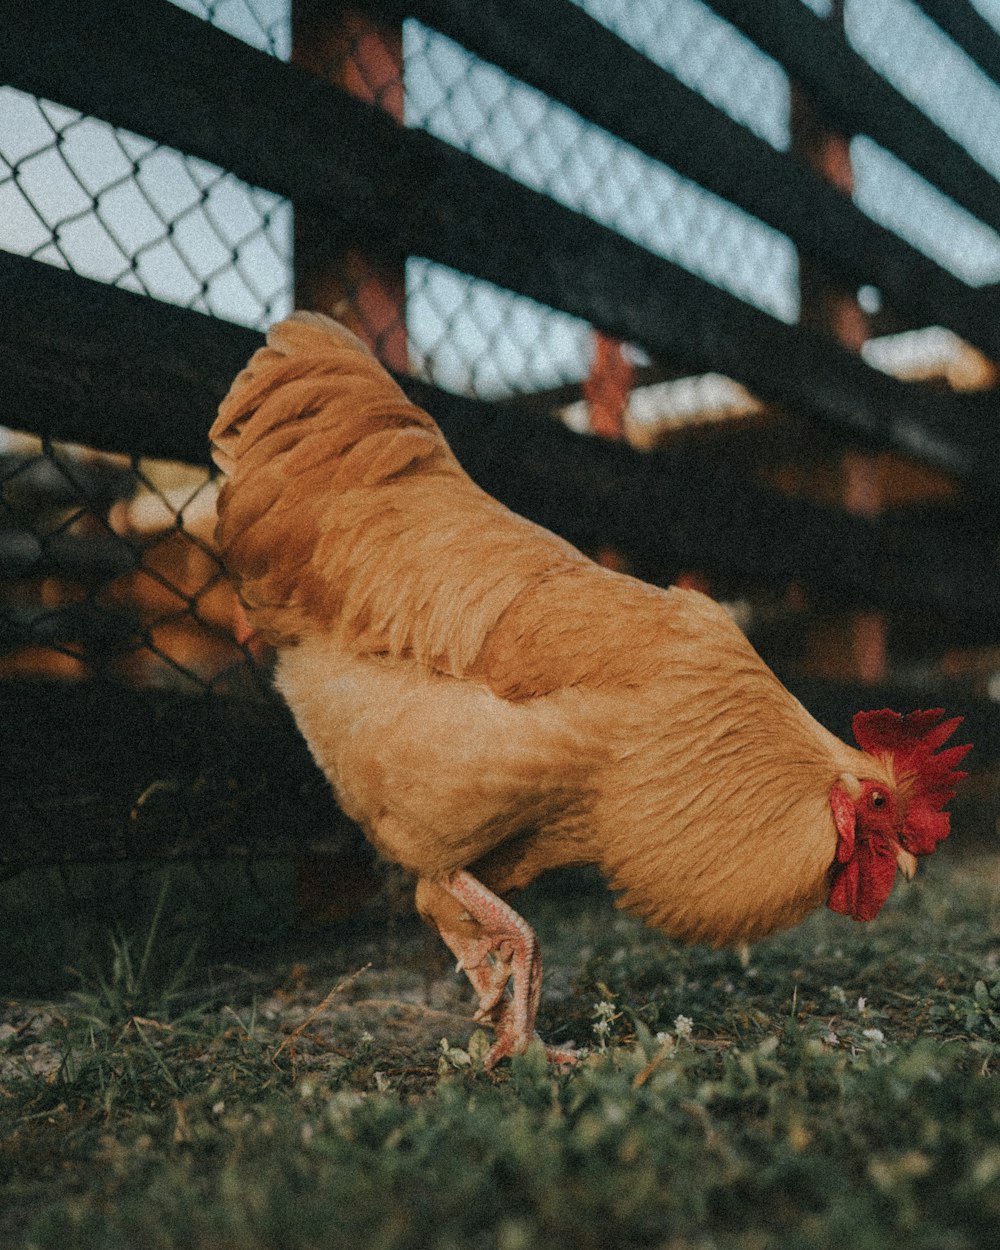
x: 907, y: 863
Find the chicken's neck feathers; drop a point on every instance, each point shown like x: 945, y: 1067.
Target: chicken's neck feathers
x: 719, y: 827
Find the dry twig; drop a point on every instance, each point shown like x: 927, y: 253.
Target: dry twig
x: 318, y: 1011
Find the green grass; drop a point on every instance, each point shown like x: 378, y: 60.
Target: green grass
x: 837, y: 1086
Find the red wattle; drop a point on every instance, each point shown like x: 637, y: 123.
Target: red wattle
x: 862, y: 886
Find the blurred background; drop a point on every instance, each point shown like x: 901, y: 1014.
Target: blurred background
x: 708, y: 288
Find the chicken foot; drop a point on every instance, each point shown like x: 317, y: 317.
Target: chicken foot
x: 505, y: 953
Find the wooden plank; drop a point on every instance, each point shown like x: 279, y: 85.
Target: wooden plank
x: 402, y: 192
x: 677, y: 509
x: 495, y: 229
x: 171, y: 76
x: 145, y: 774
x: 88, y: 363
x: 573, y: 58
x: 859, y: 100
x: 80, y: 557
x: 973, y: 33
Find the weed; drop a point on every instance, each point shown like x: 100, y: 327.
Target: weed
x: 130, y: 988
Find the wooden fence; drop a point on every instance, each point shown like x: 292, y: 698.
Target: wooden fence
x: 89, y: 363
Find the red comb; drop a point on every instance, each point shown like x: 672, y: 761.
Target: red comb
x: 914, y: 743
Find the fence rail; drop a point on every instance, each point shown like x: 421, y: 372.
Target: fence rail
x: 972, y: 32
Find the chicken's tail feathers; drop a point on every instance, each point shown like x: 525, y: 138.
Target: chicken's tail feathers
x: 313, y: 361
x: 323, y: 456
x: 304, y: 328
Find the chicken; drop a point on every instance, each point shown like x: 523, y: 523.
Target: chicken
x: 489, y: 704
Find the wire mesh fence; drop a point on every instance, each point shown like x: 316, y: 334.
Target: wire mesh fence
x: 107, y: 567
x: 120, y: 208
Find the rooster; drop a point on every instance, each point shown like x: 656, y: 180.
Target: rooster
x: 489, y: 704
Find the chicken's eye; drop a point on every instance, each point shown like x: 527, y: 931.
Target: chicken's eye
x: 878, y: 798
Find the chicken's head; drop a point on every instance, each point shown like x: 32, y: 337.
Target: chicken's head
x: 883, y: 825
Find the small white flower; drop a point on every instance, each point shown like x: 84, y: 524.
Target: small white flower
x: 862, y: 1005
x: 605, y: 1013
x: 874, y: 1035
x: 683, y: 1027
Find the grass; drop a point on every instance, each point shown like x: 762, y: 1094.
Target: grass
x: 836, y: 1086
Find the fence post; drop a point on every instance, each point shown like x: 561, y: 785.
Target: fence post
x: 606, y: 389
x: 831, y: 307
x: 343, y: 44
x: 608, y: 386
x: 346, y: 46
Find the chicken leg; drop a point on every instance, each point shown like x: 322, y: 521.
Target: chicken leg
x: 495, y: 947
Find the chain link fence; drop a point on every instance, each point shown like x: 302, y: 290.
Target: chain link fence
x: 106, y: 559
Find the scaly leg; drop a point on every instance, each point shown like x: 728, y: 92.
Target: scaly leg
x: 494, y: 946
x: 511, y: 940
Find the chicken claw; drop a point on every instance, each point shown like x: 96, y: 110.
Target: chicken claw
x: 506, y: 953
x: 491, y: 982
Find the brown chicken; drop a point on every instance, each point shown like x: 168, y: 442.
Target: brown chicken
x: 489, y: 704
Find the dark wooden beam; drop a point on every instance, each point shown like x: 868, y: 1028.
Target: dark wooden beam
x: 972, y: 32
x: 173, y: 77
x: 129, y: 774
x: 483, y: 223
x: 78, y: 557
x: 572, y: 58
x: 401, y: 192
x: 858, y: 100
x: 84, y: 362
x: 679, y: 508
